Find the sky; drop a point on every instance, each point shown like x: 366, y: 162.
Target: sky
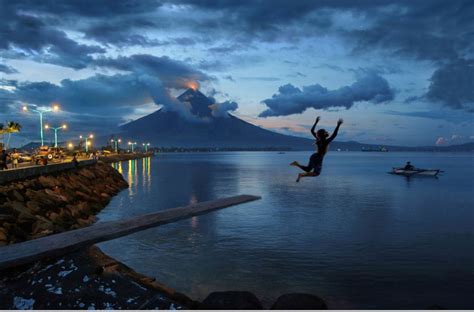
x: 397, y: 72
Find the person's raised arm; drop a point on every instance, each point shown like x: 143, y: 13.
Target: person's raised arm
x: 334, y: 134
x: 314, y: 127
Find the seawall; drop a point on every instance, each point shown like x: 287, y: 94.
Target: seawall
x: 35, y: 171
x: 121, y: 157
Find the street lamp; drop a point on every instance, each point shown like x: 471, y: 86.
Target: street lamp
x: 56, y: 133
x: 91, y: 136
x: 146, y: 146
x: 54, y: 108
x: 116, y: 142
x: 132, y: 144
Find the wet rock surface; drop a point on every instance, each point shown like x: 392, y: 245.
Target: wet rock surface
x: 57, y: 202
x: 82, y: 280
x: 231, y: 300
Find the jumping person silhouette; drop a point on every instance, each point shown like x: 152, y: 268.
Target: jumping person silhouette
x: 313, y: 169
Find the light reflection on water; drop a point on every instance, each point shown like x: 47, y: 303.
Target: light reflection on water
x: 356, y: 236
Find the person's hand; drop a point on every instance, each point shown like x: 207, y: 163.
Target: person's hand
x: 340, y: 121
x: 318, y: 118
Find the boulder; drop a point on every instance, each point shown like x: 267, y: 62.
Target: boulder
x: 231, y: 300
x: 83, y: 222
x: 33, y: 206
x: 3, y: 235
x: 5, y: 218
x: 43, y: 199
x: 15, y: 195
x: 85, y: 196
x: 87, y: 173
x: 53, y: 216
x: 299, y: 301
x: 22, y: 211
x: 48, y: 181
x: 56, y: 196
x: 42, y: 228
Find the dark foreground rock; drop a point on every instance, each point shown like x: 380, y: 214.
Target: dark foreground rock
x: 87, y: 279
x: 231, y: 300
x: 298, y: 301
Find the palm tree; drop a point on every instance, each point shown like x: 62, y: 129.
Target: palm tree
x: 2, y: 133
x: 12, y: 127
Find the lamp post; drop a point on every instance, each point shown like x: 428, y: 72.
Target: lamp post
x: 56, y: 132
x: 132, y: 144
x: 116, y: 142
x: 146, y: 146
x: 91, y: 136
x: 54, y: 108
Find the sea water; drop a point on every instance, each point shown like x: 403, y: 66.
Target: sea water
x: 356, y: 236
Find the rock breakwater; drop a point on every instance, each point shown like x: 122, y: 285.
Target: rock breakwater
x: 57, y: 202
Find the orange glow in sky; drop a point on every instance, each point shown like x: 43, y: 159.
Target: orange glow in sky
x: 193, y: 85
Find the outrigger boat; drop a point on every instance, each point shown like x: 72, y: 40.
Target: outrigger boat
x: 416, y: 171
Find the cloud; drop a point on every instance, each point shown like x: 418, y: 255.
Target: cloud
x: 107, y: 100
x: 27, y: 36
x: 453, y: 85
x: 174, y: 74
x: 260, y: 78
x: 434, y: 114
x: 292, y: 100
x: 454, y: 139
x: 7, y: 69
x: 222, y: 109
x: 443, y: 30
x: 440, y: 141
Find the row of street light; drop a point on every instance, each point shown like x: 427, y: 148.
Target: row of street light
x: 54, y: 108
x: 88, y: 139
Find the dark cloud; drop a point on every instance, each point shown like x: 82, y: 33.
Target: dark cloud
x: 127, y: 34
x: 174, y: 74
x: 222, y: 109
x: 87, y: 8
x: 7, y: 69
x: 26, y: 35
x: 427, y: 30
x: 453, y: 85
x: 430, y: 30
x: 34, y: 29
x: 292, y: 100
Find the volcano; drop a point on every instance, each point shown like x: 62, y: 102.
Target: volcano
x: 167, y: 128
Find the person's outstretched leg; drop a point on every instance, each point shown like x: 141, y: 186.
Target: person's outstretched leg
x: 307, y: 168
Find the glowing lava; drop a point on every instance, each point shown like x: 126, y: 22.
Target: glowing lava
x: 192, y: 85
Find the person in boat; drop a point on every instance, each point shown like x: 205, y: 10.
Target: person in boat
x: 408, y: 166
x: 313, y: 169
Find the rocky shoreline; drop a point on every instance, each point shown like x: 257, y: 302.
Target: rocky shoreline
x: 54, y: 203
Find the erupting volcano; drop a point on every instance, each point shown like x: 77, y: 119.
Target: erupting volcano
x: 167, y: 128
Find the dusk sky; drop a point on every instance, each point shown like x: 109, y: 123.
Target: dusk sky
x: 398, y: 72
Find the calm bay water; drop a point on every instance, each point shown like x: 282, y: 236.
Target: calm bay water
x: 356, y: 236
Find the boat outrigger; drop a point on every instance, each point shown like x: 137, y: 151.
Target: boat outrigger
x: 415, y: 171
